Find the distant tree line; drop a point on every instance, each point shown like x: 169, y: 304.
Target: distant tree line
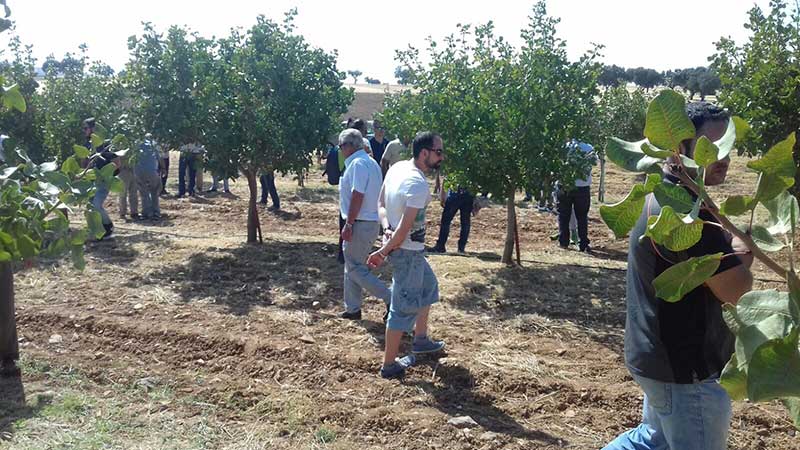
x: 695, y: 80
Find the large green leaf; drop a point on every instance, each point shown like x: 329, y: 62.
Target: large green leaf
x: 5, y: 256
x: 81, y: 152
x: 778, y: 160
x: 76, y: 254
x: 667, y: 124
x: 107, y: 172
x: 95, y: 224
x: 736, y: 205
x: 653, y: 152
x: 742, y: 128
x: 677, y: 281
x: 774, y: 370
x: 70, y: 166
x: 12, y: 98
x: 765, y: 240
x: 705, y: 152
x: 622, y: 216
x: 794, y: 296
x: 629, y: 156
x: 116, y: 186
x: 96, y: 140
x: 674, y: 196
x: 734, y: 379
x: 780, y: 213
x: 726, y: 142
x: 756, y: 306
x: 28, y: 247
x: 672, y: 232
x: 770, y: 186
x: 751, y: 337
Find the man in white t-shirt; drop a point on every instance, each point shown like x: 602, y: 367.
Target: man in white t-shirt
x: 393, y: 153
x: 403, y: 200
x: 359, y: 188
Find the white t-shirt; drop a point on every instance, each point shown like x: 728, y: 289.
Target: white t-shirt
x: 405, y: 186
x: 394, y: 152
x: 361, y: 174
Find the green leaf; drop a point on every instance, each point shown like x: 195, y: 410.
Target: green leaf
x: 5, y: 256
x: 794, y: 296
x: 705, y: 152
x: 780, y: 213
x: 107, y: 172
x: 673, y: 196
x: 629, y: 156
x: 756, y: 306
x: 76, y: 254
x: 677, y: 281
x: 734, y: 380
x: 667, y: 124
x: 736, y: 205
x: 70, y: 166
x: 751, y: 337
x: 765, y: 240
x: 79, y: 237
x: 770, y: 186
x: 12, y: 98
x: 81, y: 152
x: 653, y: 152
x: 778, y: 160
x: 727, y: 141
x: 622, y: 216
x: 689, y: 163
x: 774, y: 370
x: 793, y: 407
x: 96, y: 140
x: 116, y: 186
x: 671, y: 232
x: 742, y: 128
x: 95, y: 224
x: 28, y: 247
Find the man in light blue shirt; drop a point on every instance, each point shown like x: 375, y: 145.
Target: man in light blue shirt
x: 359, y: 189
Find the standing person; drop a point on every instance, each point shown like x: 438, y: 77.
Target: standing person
x: 163, y: 153
x: 187, y: 168
x: 129, y: 195
x: 361, y: 126
x: 359, y: 188
x: 394, y: 152
x: 454, y: 201
x: 404, y: 198
x: 268, y: 187
x: 378, y: 142
x: 676, y: 351
x: 101, y: 189
x: 148, y: 179
x: 576, y: 199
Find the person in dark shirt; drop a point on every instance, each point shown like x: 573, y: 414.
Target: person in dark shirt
x: 378, y: 142
x: 676, y: 351
x: 101, y: 189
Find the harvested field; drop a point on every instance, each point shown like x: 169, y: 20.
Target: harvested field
x: 178, y: 335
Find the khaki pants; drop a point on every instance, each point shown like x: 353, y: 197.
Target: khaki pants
x: 9, y: 349
x: 149, y: 189
x: 129, y: 194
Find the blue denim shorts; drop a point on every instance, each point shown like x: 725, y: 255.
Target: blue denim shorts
x: 414, y: 286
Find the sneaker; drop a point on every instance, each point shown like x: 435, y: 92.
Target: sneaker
x: 398, y: 368
x: 427, y: 346
x: 355, y: 315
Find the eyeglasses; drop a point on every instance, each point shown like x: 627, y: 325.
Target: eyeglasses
x: 438, y: 151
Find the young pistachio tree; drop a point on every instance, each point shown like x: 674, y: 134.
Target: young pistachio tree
x: 766, y: 362
x: 505, y: 114
x: 272, y: 100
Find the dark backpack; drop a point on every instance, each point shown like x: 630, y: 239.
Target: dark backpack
x: 332, y: 166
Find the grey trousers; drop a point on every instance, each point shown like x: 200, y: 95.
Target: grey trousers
x: 149, y: 189
x: 130, y: 194
x: 9, y: 349
x: 357, y: 275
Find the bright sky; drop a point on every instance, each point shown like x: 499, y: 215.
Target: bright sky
x: 660, y: 34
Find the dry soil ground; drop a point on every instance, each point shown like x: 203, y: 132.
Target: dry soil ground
x: 180, y: 336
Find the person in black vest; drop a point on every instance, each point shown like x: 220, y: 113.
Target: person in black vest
x: 378, y: 142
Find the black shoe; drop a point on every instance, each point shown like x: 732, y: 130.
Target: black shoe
x: 109, y: 230
x: 565, y: 247
x: 587, y: 250
x: 355, y: 315
x: 436, y: 250
x: 462, y: 251
x: 263, y: 202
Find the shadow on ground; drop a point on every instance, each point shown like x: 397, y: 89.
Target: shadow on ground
x: 454, y: 394
x: 13, y: 406
x: 290, y: 275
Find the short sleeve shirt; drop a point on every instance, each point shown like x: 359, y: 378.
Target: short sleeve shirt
x: 674, y: 342
x: 405, y: 186
x: 394, y: 152
x: 361, y: 174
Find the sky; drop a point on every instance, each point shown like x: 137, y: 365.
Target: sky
x: 664, y: 34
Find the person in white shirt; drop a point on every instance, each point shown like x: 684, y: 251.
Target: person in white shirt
x: 359, y: 188
x: 393, y: 153
x: 404, y: 198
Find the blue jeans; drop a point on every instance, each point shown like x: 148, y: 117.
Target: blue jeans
x: 414, y: 286
x: 679, y: 417
x: 457, y: 201
x: 357, y: 275
x: 186, y: 163
x: 100, y: 196
x: 268, y: 187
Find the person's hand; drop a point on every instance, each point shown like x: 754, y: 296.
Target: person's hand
x: 347, y: 232
x: 375, y: 259
x: 744, y: 252
x: 387, y: 236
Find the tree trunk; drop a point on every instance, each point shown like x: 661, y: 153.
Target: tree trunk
x: 601, y: 194
x: 9, y: 348
x: 511, y: 228
x: 253, y: 225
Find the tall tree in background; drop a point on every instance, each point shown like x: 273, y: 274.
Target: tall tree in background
x: 25, y: 127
